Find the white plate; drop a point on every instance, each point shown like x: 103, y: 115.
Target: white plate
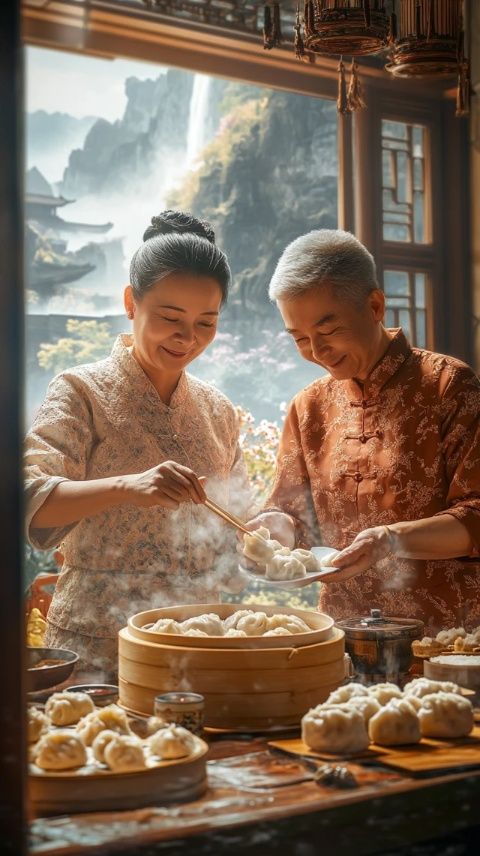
x: 309, y: 578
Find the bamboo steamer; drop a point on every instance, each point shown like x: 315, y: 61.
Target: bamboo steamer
x: 245, y: 687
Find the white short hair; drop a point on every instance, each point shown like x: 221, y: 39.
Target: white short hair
x: 325, y: 257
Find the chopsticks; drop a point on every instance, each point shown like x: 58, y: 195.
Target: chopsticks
x: 226, y: 515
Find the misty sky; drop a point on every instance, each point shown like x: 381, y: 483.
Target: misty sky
x: 80, y: 85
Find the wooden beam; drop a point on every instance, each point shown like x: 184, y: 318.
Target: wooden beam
x: 12, y: 636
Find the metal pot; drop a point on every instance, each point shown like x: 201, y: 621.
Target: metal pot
x: 380, y: 647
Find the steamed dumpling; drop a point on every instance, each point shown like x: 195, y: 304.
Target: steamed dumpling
x: 60, y: 750
x: 292, y: 623
x: 100, y: 744
x: 384, y: 692
x: 210, y: 623
x: 395, y: 724
x: 334, y: 729
x: 447, y: 637
x: 424, y: 686
x: 343, y: 694
x: 253, y: 625
x: 232, y: 631
x: 124, y: 754
x: 167, y: 625
x: 257, y: 546
x: 37, y: 724
x: 284, y: 568
x: 66, y: 708
x: 193, y: 631
x: 366, y: 705
x: 445, y: 715
x: 326, y: 561
x: 278, y: 631
x: 232, y: 620
x: 172, y: 742
x: 110, y: 718
x: 307, y: 558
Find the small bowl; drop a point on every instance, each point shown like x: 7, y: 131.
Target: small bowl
x: 101, y: 694
x: 42, y: 678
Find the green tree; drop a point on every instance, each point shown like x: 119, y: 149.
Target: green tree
x: 87, y: 341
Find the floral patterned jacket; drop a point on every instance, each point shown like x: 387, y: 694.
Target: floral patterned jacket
x: 404, y: 445
x: 107, y: 419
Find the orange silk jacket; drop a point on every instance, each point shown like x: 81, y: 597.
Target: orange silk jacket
x: 403, y: 445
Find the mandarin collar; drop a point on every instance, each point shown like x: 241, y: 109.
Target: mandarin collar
x: 122, y: 354
x: 394, y: 357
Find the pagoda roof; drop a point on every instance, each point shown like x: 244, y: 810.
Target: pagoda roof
x: 47, y: 201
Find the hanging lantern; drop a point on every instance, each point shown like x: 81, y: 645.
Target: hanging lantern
x: 427, y: 41
x: 356, y: 28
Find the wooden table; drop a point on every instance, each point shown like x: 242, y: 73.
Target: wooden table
x: 265, y: 804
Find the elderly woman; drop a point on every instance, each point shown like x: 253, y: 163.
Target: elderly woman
x: 380, y: 458
x: 115, y: 456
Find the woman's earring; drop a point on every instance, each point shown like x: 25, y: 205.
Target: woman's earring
x: 130, y: 315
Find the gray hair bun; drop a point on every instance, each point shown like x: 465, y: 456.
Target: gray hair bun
x: 168, y: 222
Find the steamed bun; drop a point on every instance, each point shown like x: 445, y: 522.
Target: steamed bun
x: 307, y: 558
x: 343, y: 694
x: 257, y: 546
x: 37, y: 724
x: 424, y: 686
x: 110, y: 718
x: 253, y: 625
x: 445, y: 715
x: 166, y: 625
x: 384, y: 692
x: 59, y: 750
x: 66, y: 708
x: 334, y: 729
x: 172, y: 742
x: 394, y: 724
x: 209, y: 623
x: 124, y: 754
x: 367, y: 705
x: 284, y: 568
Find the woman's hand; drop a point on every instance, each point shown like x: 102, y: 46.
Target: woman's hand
x: 369, y: 547
x: 168, y: 484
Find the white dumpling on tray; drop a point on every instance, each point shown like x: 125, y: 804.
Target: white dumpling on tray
x: 172, y: 742
x: 278, y: 631
x: 66, y: 708
x: 253, y: 625
x: 167, y: 625
x: 395, y: 724
x: 284, y: 568
x: 326, y: 561
x: 100, y: 744
x: 344, y: 693
x: 384, y: 692
x: 231, y: 622
x: 424, y: 686
x: 59, y: 750
x: 292, y: 623
x: 37, y: 724
x: 257, y: 545
x: 445, y: 715
x: 307, y: 558
x: 110, y: 718
x: 124, y: 753
x: 232, y: 632
x: 209, y: 623
x: 366, y: 704
x: 334, y: 729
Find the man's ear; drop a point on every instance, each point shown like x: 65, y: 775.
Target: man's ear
x: 376, y: 300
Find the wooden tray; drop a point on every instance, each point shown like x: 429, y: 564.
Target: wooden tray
x: 94, y: 789
x: 430, y: 755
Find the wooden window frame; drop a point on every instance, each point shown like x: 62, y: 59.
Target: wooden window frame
x: 100, y: 29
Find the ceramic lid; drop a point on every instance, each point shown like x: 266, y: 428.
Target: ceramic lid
x: 377, y: 624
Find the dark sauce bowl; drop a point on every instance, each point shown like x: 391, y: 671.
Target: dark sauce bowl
x: 49, y: 676
x: 101, y: 694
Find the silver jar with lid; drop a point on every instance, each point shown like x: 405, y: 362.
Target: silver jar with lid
x: 379, y: 646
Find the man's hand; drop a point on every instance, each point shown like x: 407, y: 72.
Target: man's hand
x: 368, y: 548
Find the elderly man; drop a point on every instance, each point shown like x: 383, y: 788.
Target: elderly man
x: 381, y: 457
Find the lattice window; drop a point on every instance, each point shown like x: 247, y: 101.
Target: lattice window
x: 406, y: 296
x: 404, y: 185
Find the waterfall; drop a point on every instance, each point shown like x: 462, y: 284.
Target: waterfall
x: 196, y: 135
